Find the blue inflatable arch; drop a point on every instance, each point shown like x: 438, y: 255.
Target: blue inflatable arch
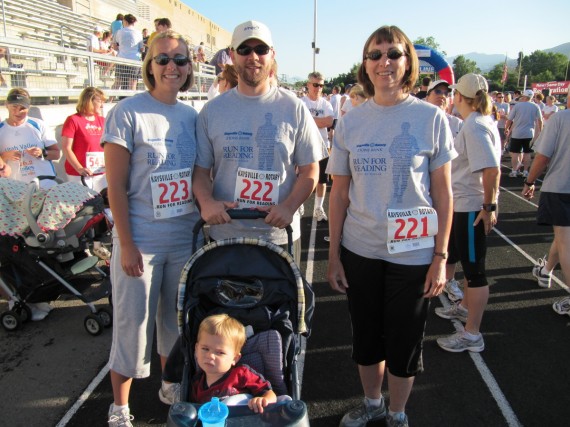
x: 437, y: 61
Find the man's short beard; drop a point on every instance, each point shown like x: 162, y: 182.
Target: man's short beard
x: 259, y: 79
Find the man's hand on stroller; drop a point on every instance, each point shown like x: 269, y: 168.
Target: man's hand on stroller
x: 214, y: 211
x: 279, y: 216
x: 256, y: 404
x: 131, y: 260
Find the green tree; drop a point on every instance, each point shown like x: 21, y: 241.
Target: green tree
x: 540, y: 65
x: 462, y: 66
x: 429, y: 42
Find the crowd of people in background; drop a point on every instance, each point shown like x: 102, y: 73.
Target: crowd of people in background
x: 461, y: 130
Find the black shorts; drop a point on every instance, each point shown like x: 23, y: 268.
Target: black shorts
x: 388, y: 312
x: 520, y: 145
x: 553, y: 209
x: 323, y: 177
x: 468, y: 244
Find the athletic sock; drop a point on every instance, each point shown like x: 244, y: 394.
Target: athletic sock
x: 120, y: 408
x: 471, y: 337
x: 319, y: 202
x: 373, y: 403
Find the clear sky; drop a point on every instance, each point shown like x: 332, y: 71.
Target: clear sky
x: 484, y: 26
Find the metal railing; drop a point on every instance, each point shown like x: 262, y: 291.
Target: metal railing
x: 58, y: 72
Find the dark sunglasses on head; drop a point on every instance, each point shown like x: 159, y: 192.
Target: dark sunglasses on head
x: 260, y: 49
x: 393, y: 53
x: 179, y: 60
x: 318, y: 85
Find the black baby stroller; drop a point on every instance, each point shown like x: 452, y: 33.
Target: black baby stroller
x: 259, y: 284
x: 43, y: 242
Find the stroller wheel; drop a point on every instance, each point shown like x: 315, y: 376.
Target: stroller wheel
x: 93, y: 324
x: 106, y: 316
x: 10, y: 320
x: 24, y: 311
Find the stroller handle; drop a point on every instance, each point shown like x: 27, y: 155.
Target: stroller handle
x: 241, y: 214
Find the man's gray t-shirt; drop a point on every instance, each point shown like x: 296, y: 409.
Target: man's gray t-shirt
x: 554, y: 142
x: 389, y: 153
x: 253, y: 146
x: 524, y: 116
x: 161, y: 139
x: 478, y: 146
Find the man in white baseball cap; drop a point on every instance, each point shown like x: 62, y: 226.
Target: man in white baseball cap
x: 469, y: 84
x: 523, y: 125
x: 255, y: 139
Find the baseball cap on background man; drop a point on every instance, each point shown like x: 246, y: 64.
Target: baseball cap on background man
x: 469, y: 84
x: 432, y: 85
x: 251, y: 30
x: 97, y: 29
x: 528, y: 93
x: 18, y: 99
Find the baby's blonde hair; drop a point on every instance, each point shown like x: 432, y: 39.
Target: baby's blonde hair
x: 225, y: 326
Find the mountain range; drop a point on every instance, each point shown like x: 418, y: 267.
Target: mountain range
x: 486, y: 62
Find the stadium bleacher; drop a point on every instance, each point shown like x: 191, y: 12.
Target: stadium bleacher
x: 49, y: 41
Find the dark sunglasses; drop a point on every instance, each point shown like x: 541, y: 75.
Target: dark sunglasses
x: 441, y: 92
x: 318, y: 85
x: 179, y: 60
x: 393, y: 53
x: 260, y: 49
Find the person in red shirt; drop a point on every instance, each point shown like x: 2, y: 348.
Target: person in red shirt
x: 80, y: 140
x: 220, y: 340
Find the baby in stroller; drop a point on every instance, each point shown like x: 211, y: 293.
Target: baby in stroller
x: 218, y: 351
x: 43, y: 240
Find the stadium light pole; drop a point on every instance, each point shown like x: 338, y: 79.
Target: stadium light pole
x: 315, y: 48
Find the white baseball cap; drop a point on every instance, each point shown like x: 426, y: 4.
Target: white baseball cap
x: 528, y: 93
x: 432, y: 85
x: 251, y: 30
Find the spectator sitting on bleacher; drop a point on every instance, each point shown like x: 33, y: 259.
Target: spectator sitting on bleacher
x: 94, y: 41
x: 5, y: 53
x: 161, y: 25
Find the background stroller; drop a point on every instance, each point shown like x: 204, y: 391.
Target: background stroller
x: 43, y: 242
x: 259, y: 284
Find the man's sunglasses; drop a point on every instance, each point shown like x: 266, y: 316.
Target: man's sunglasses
x: 441, y: 92
x: 393, y: 53
x: 179, y: 60
x: 260, y: 49
x: 318, y: 85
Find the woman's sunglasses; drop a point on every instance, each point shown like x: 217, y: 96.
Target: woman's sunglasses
x: 393, y: 53
x: 179, y: 60
x: 260, y: 49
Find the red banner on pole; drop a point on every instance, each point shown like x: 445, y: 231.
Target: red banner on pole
x: 557, y: 88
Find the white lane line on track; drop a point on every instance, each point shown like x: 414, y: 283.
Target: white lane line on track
x: 84, y: 396
x: 311, y: 252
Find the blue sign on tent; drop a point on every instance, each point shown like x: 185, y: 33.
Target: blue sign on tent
x: 427, y: 69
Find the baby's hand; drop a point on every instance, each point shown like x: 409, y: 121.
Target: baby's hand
x: 256, y: 404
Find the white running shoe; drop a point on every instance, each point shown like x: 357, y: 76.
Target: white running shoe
x: 320, y: 214
x: 453, y: 291
x: 513, y: 174
x: 454, y: 311
x: 459, y: 342
x: 120, y: 418
x: 562, y: 306
x: 538, y: 271
x: 169, y: 393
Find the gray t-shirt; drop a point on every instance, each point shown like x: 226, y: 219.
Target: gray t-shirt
x: 320, y: 108
x: 161, y: 139
x: 524, y: 116
x: 503, y: 108
x: 478, y: 146
x: 253, y: 145
x: 554, y: 142
x: 389, y: 152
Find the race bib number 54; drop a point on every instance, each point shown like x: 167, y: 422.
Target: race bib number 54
x: 411, y: 229
x: 172, y: 193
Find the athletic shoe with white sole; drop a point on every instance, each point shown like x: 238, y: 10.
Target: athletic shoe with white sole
x: 454, y: 311
x: 361, y: 414
x: 453, y: 291
x: 562, y: 306
x: 169, y: 393
x: 320, y: 214
x: 538, y: 271
x: 120, y: 418
x: 459, y: 342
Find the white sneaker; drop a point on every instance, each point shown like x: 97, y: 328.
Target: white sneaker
x: 169, y: 393
x: 525, y: 174
x: 562, y: 306
x: 320, y: 214
x: 453, y: 291
x: 513, y: 174
x: 120, y: 418
x: 102, y: 252
x: 455, y: 311
x: 538, y: 271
